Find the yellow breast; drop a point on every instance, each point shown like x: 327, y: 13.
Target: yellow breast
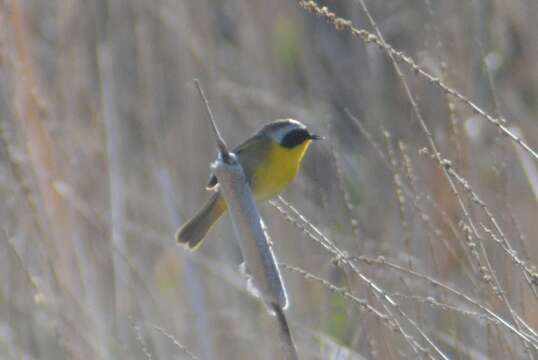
x: 278, y: 170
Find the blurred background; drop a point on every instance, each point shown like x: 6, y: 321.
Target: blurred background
x: 105, y: 151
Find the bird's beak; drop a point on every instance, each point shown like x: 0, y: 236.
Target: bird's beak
x: 315, y: 137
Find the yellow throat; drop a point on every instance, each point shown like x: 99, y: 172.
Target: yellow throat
x: 278, y: 170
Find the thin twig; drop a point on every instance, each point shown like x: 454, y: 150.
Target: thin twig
x: 494, y: 283
x: 176, y: 343
x: 223, y: 149
x: 341, y: 24
x: 387, y: 302
x: 382, y: 261
x: 285, y: 333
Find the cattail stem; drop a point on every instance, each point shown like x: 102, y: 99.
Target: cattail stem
x: 253, y: 240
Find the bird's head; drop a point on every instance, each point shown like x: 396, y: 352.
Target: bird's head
x: 289, y: 133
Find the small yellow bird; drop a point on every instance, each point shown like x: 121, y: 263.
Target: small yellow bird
x: 270, y: 160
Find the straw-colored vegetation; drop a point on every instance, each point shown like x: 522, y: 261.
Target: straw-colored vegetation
x: 409, y: 233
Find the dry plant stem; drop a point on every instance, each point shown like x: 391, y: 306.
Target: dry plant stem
x: 453, y: 136
x: 451, y: 310
x: 414, y: 197
x: 223, y: 149
x: 414, y: 105
x: 528, y: 273
x: 502, y: 176
x: 432, y: 233
x: 253, y: 240
x: 444, y: 306
x: 424, y: 217
x: 254, y: 244
x: 387, y: 320
x: 495, y: 285
x: 381, y: 261
x: 341, y: 24
x: 132, y: 228
x: 176, y: 343
x: 284, y: 333
x: 321, y: 239
x: 454, y: 129
x: 378, y: 292
x: 251, y: 236
x: 329, y: 246
x: 499, y: 238
x: 397, y: 182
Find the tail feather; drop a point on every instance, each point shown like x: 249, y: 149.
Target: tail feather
x: 194, y: 231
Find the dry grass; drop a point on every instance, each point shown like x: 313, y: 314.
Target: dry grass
x: 409, y: 233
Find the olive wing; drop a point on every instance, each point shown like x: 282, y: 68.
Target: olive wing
x: 249, y: 154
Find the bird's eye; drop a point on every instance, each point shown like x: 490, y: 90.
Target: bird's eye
x: 295, y: 137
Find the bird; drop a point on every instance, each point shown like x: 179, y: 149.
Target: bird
x: 270, y: 160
